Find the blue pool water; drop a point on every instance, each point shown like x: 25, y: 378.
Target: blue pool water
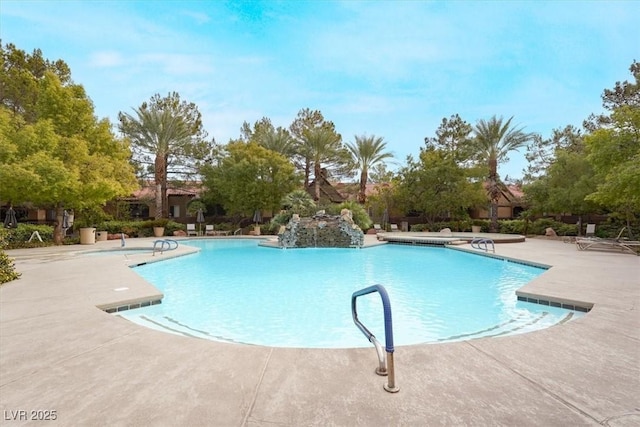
x: 235, y: 290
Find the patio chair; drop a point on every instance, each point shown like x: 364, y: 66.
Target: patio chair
x: 191, y: 230
x: 208, y: 230
x: 618, y: 243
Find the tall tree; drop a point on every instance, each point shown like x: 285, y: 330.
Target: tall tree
x: 66, y: 158
x: 308, y: 123
x: 614, y: 148
x: 453, y: 138
x: 249, y: 177
x: 564, y: 186
x: 324, y: 147
x: 623, y: 94
x: 20, y: 77
x: 541, y: 153
x: 367, y: 152
x: 264, y: 133
x: 379, y: 174
x: 167, y: 137
x: 57, y: 154
x: 614, y: 153
x: 436, y: 187
x: 494, y: 139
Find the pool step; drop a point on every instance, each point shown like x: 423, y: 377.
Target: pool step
x: 169, y: 325
x: 511, y: 327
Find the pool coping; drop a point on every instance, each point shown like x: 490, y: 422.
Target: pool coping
x: 583, y: 372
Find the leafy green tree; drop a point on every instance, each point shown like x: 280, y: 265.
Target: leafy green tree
x: 367, y: 152
x: 249, y: 177
x: 494, y: 139
x: 20, y: 77
x: 614, y: 153
x: 453, y: 138
x: 614, y: 148
x: 436, y: 187
x: 306, y: 120
x: 167, y: 137
x: 565, y: 185
x: 541, y: 152
x: 380, y: 174
x: 623, y: 94
x: 66, y: 158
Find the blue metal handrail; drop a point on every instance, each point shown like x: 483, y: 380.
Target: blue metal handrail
x: 386, y: 367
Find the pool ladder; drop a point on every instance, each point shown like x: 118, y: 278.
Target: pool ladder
x: 165, y: 245
x: 478, y: 241
x: 385, y: 367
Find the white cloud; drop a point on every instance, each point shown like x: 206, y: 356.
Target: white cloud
x: 106, y: 59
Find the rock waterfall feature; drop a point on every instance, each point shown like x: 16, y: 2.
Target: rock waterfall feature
x: 322, y: 231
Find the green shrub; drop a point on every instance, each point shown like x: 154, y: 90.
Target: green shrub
x: 511, y: 226
x: 540, y: 225
x: 17, y: 238
x: 359, y: 214
x: 226, y: 226
x: 140, y: 228
x: 7, y: 269
x: 280, y: 219
x: 419, y: 227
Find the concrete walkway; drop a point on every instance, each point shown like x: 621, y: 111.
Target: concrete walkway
x: 60, y: 353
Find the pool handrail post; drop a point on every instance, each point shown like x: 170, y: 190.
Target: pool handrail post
x: 162, y: 242
x: 386, y: 366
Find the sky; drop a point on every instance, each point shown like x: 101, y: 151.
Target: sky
x: 392, y: 69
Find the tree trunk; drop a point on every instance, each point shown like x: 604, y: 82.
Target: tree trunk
x: 316, y: 190
x: 161, y: 185
x: 57, y: 229
x: 307, y: 172
x: 362, y: 196
x: 494, y: 194
x: 158, y: 214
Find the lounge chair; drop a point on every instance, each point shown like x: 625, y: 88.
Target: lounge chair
x: 208, y: 230
x: 191, y: 230
x: 394, y: 227
x: 631, y: 246
x: 377, y: 228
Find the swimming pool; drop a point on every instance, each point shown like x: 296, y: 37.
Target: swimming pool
x: 234, y: 290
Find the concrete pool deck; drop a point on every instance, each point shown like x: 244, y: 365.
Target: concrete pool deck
x: 58, y: 352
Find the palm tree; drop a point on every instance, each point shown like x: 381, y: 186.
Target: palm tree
x: 494, y: 140
x: 324, y: 146
x: 300, y: 202
x: 367, y: 151
x: 278, y: 140
x: 155, y: 131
